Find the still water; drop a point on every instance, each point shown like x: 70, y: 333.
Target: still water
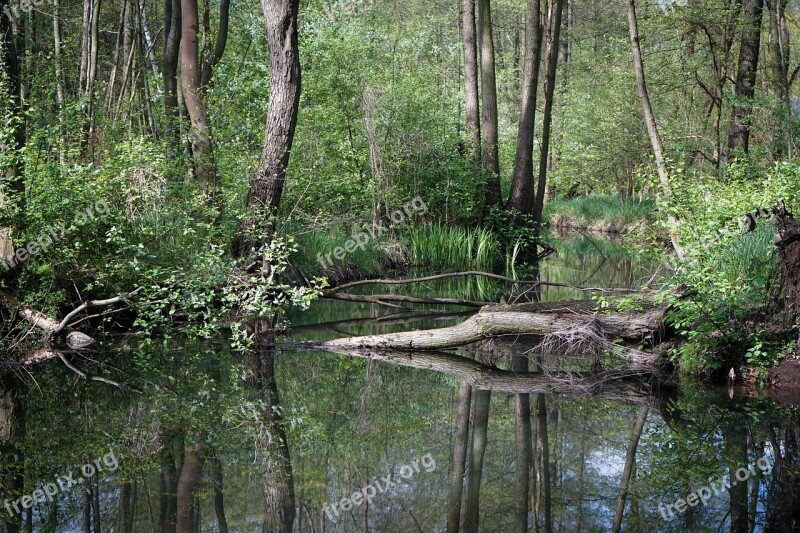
x: 198, y: 445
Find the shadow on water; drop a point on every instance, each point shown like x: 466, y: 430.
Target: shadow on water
x: 290, y: 439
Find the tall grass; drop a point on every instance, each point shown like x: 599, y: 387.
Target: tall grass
x: 369, y: 262
x: 440, y: 246
x: 592, y: 210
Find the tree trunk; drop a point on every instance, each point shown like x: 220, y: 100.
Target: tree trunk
x: 266, y: 187
x: 219, y: 47
x: 199, y: 132
x: 739, y: 131
x: 630, y: 459
x: 494, y: 323
x: 472, y: 106
x: 779, y: 65
x: 522, y: 184
x: 172, y: 41
x: 459, y: 456
x: 551, y: 59
x: 489, y: 128
x: 650, y: 119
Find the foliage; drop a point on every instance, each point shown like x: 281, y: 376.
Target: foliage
x: 724, y: 283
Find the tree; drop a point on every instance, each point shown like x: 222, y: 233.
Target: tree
x: 169, y: 71
x: 739, y: 131
x: 266, y: 186
x: 489, y: 128
x: 555, y: 8
x: 649, y: 118
x: 199, y: 132
x: 521, y: 195
x: 472, y: 106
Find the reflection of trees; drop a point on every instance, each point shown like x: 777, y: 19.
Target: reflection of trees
x: 458, y: 463
x: 783, y: 499
x: 12, y: 433
x: 279, y: 496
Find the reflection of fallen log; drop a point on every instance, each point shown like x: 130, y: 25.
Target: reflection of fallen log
x: 630, y: 387
x: 508, y: 320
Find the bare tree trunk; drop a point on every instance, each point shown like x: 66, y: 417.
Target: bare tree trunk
x: 472, y: 106
x: 219, y: 46
x: 199, y: 133
x: 266, y: 187
x: 630, y: 460
x: 459, y: 457
x: 649, y: 117
x: 779, y: 64
x: 379, y: 182
x: 219, y: 493
x: 739, y: 131
x: 489, y: 128
x: 522, y: 184
x: 556, y: 7
x: 172, y: 41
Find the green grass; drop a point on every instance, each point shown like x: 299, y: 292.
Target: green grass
x: 369, y: 262
x: 440, y: 246
x: 599, y: 210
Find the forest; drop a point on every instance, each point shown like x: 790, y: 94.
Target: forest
x: 359, y: 265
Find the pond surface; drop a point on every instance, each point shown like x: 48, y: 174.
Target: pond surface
x: 371, y: 443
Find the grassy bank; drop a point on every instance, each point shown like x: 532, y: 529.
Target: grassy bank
x: 609, y: 214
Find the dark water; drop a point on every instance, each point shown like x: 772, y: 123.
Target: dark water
x: 387, y: 433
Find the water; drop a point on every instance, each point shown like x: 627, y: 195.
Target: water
x: 351, y: 422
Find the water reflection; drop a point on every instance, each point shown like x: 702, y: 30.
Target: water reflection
x: 222, y: 441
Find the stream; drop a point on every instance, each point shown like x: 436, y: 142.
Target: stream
x: 371, y: 443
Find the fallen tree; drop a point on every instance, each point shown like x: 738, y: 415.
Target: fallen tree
x: 552, y: 318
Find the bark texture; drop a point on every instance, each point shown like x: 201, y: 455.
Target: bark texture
x: 739, y: 132
x: 489, y: 128
x: 472, y: 106
x: 522, y: 184
x: 266, y: 187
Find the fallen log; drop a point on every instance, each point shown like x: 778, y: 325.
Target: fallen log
x: 492, y: 323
